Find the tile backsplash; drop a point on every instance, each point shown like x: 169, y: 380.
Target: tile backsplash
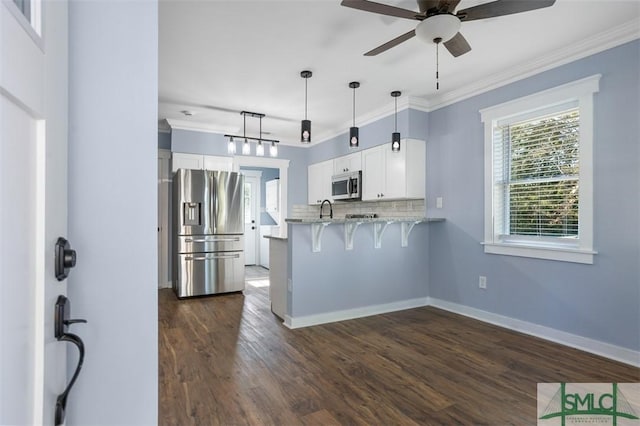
x: 403, y: 208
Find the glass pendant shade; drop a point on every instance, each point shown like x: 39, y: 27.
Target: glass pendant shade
x: 246, y: 148
x: 395, y: 141
x: 273, y: 150
x: 260, y: 150
x: 305, y: 133
x: 354, y: 138
x: 231, y: 147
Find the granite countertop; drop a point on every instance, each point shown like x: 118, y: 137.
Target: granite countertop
x: 275, y: 237
x: 295, y: 221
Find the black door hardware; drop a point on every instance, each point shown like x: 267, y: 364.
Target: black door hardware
x: 65, y: 258
x: 60, y: 323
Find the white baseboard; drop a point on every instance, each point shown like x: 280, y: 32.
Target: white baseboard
x: 607, y: 350
x: 347, y: 314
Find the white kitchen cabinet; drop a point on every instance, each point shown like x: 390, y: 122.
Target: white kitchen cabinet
x: 319, y: 182
x: 272, y: 196
x: 181, y: 160
x: 348, y: 163
x: 388, y: 175
x: 212, y: 162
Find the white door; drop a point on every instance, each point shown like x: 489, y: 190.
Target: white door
x: 251, y: 216
x: 33, y: 196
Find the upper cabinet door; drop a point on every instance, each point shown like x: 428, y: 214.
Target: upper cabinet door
x: 186, y: 161
x: 319, y: 182
x: 373, y: 173
x: 223, y: 164
x: 348, y: 163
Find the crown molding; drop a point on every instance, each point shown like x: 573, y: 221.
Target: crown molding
x: 197, y: 126
x: 405, y: 102
x: 598, y: 43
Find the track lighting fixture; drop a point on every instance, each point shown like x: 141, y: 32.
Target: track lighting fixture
x: 395, y: 136
x: 305, y: 128
x: 354, y: 138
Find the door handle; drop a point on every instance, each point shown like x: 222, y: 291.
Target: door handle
x: 65, y: 258
x: 61, y: 321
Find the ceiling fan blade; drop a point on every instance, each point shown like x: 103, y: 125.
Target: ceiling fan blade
x: 457, y: 45
x: 382, y: 9
x: 392, y: 43
x: 501, y: 8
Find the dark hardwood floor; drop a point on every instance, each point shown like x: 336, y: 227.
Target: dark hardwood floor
x: 228, y: 360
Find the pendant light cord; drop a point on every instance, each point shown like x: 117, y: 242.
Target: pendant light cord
x: 354, y: 107
x: 305, y: 97
x: 396, y: 115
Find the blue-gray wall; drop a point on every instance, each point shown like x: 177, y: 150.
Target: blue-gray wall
x: 113, y: 142
x: 599, y: 301
x: 336, y: 279
x: 164, y: 140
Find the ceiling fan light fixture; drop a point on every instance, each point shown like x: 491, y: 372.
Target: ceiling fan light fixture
x: 443, y: 26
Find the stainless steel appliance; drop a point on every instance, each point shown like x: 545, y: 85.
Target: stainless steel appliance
x: 208, y: 223
x: 347, y: 186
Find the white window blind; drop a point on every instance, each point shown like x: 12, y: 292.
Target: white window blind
x: 536, y: 174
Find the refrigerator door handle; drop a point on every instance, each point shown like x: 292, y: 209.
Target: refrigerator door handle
x: 232, y: 256
x: 213, y: 240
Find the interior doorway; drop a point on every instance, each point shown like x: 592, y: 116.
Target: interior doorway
x: 251, y: 216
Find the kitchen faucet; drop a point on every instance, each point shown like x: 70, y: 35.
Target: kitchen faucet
x: 330, y: 208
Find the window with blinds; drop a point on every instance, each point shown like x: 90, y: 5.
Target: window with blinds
x: 538, y: 183
x: 537, y: 174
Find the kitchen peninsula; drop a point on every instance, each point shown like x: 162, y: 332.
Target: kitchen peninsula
x: 357, y: 259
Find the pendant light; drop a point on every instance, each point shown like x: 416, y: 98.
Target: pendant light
x: 395, y: 136
x: 231, y: 147
x: 246, y: 148
x: 260, y: 147
x: 273, y: 150
x: 305, y: 128
x: 354, y: 138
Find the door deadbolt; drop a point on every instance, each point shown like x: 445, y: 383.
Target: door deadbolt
x: 65, y: 258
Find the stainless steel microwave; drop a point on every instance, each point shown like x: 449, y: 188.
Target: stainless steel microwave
x: 347, y: 186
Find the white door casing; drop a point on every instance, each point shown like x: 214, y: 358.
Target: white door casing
x: 252, y: 216
x: 33, y: 195
x: 164, y: 218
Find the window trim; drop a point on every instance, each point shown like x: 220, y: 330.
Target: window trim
x: 581, y: 91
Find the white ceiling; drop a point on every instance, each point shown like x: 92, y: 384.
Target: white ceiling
x: 218, y: 58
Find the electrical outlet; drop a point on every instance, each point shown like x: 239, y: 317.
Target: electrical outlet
x: 439, y: 202
x: 482, y: 282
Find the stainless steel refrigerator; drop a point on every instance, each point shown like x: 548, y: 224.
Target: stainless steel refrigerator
x: 208, y: 224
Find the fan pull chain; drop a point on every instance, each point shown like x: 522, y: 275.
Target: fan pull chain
x: 437, y: 41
